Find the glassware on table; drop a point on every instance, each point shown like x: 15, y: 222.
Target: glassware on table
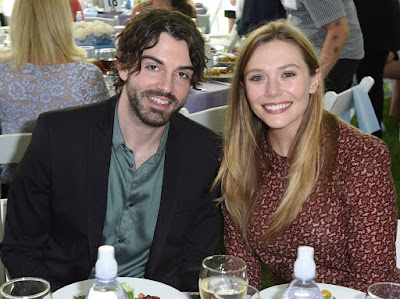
x: 219, y: 270
x: 108, y: 58
x: 90, y: 53
x: 235, y: 290
x: 26, y: 288
x: 383, y: 290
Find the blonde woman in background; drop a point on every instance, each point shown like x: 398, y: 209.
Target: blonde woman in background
x: 44, y: 70
x: 293, y: 174
x: 184, y: 6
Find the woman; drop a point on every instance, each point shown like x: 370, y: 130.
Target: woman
x: 184, y: 6
x: 44, y: 70
x: 293, y: 174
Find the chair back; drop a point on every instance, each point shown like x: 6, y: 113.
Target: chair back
x: 3, y: 211
x: 13, y: 147
x: 213, y: 118
x: 398, y: 244
x: 354, y: 100
x: 113, y: 22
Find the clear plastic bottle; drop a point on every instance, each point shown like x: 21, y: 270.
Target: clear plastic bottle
x: 106, y: 285
x: 303, y: 285
x: 79, y: 17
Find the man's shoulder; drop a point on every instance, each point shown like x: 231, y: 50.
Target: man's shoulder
x: 81, y: 112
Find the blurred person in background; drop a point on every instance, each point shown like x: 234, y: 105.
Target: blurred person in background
x: 44, y: 70
x: 333, y: 28
x: 184, y: 6
x: 75, y: 7
x: 380, y: 26
x: 257, y: 12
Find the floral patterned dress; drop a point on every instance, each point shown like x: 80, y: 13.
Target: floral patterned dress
x: 350, y: 218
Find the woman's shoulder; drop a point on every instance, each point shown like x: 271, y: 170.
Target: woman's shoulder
x: 355, y: 145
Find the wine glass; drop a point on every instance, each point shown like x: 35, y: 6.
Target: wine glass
x: 219, y: 270
x: 26, y: 288
x: 383, y: 290
x: 235, y: 290
x: 108, y: 61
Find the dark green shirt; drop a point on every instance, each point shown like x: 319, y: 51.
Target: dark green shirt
x: 133, y: 202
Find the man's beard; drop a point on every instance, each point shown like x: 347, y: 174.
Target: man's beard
x: 152, y: 117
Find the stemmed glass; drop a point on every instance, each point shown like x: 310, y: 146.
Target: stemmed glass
x: 108, y: 61
x: 383, y: 290
x: 26, y: 288
x: 236, y: 290
x: 218, y: 271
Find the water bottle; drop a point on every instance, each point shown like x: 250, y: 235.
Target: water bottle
x: 106, y: 285
x: 303, y: 285
x: 79, y: 17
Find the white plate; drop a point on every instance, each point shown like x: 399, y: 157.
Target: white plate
x: 140, y: 285
x: 339, y: 292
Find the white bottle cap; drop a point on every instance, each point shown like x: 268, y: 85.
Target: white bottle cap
x: 106, y: 265
x: 304, y: 267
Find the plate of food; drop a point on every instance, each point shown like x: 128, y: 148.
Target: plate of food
x: 329, y: 291
x: 134, y: 287
x: 217, y: 72
x: 227, y: 59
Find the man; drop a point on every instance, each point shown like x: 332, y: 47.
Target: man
x: 333, y: 28
x: 130, y: 172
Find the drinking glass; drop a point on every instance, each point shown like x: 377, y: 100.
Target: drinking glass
x: 235, y: 290
x: 219, y: 270
x: 26, y: 288
x: 108, y: 58
x: 108, y: 61
x: 90, y: 53
x: 383, y: 290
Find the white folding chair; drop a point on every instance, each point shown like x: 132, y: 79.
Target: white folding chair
x: 113, y: 22
x: 12, y: 147
x: 213, y: 118
x: 3, y: 211
x: 354, y: 100
x: 398, y: 244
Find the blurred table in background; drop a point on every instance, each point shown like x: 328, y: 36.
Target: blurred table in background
x: 211, y: 94
x: 123, y: 16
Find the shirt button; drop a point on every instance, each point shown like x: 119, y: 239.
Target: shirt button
x: 130, y: 165
x: 131, y: 205
x: 123, y: 145
x: 120, y: 241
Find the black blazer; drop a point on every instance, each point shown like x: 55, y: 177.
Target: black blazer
x: 57, y: 201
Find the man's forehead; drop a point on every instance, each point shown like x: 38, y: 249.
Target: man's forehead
x: 169, y: 50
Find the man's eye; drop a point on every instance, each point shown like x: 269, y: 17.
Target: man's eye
x: 152, y: 67
x: 183, y: 75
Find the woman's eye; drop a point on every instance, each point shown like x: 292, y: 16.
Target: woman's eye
x: 288, y: 74
x: 256, y: 78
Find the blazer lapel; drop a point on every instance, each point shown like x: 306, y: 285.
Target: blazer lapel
x: 169, y: 197
x: 99, y: 155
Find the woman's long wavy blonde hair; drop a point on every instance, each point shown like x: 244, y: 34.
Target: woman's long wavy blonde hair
x: 41, y: 33
x: 239, y: 174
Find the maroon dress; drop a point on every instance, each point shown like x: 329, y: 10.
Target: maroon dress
x: 350, y: 218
